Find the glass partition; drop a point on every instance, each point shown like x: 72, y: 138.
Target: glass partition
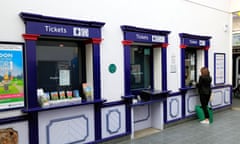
x: 190, y: 66
x: 59, y: 65
x: 140, y: 67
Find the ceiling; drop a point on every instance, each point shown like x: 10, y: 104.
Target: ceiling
x: 236, y: 21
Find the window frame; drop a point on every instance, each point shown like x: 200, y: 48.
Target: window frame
x: 81, y: 57
x: 157, y: 39
x: 89, y: 31
x: 197, y: 42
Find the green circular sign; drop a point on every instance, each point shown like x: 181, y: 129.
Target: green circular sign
x: 112, y: 68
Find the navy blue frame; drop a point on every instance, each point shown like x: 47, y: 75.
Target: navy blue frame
x: 130, y: 33
x: 195, y: 41
x: 156, y: 38
x: 39, y: 25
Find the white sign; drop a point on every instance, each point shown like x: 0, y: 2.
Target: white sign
x: 80, y: 32
x: 156, y: 38
x: 202, y: 42
x: 173, y: 68
x: 64, y: 77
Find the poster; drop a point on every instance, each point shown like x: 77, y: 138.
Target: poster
x: 219, y: 74
x: 11, y: 76
x: 64, y: 77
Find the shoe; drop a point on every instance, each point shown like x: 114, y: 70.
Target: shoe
x: 204, y: 122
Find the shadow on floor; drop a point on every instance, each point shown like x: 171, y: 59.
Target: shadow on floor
x: 236, y: 103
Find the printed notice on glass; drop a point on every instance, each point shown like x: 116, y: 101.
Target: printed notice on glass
x: 219, y: 68
x: 64, y: 77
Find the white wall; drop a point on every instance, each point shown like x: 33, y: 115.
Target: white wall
x: 223, y: 5
x: 177, y: 16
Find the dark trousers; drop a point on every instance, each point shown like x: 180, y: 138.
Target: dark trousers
x: 204, y: 99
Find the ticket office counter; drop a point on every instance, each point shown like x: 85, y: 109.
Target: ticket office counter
x: 181, y: 105
x: 70, y: 50
x: 145, y: 72
x: 148, y: 112
x: 194, y: 55
x: 145, y: 69
x: 62, y: 60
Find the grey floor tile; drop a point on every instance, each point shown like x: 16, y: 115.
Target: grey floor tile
x: 224, y: 130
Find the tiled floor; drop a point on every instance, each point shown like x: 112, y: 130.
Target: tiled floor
x: 224, y: 130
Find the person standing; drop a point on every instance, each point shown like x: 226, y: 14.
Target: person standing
x: 204, y: 90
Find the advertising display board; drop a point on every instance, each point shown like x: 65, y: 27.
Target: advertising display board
x: 219, y: 68
x: 11, y: 75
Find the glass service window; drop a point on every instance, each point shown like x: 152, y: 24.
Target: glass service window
x: 141, y: 69
x: 59, y: 65
x: 190, y: 66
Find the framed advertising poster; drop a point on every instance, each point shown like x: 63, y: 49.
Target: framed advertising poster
x: 11, y: 75
x: 219, y: 68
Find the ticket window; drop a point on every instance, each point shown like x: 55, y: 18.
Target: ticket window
x: 141, y: 67
x: 193, y: 61
x: 60, y: 65
x: 145, y: 64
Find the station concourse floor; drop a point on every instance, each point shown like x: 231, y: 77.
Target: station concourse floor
x: 225, y: 129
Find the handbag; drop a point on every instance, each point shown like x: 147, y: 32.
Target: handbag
x: 200, y: 113
x: 211, y: 97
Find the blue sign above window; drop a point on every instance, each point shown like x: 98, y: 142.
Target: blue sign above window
x: 52, y: 26
x: 62, y: 30
x: 144, y: 35
x: 194, y: 40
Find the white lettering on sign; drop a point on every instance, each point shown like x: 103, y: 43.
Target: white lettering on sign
x: 143, y: 37
x: 193, y: 41
x: 156, y: 38
x: 202, y: 42
x: 6, y: 55
x: 54, y: 29
x: 81, y: 32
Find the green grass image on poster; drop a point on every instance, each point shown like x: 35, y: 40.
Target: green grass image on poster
x: 14, y: 87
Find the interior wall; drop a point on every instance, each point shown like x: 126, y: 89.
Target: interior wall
x: 214, y: 4
x: 177, y: 16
